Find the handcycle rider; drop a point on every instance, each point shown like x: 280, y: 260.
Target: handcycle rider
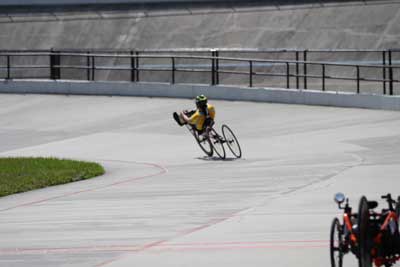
x: 202, y: 118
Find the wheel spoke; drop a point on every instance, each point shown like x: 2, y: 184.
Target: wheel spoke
x: 204, y: 144
x: 218, y: 146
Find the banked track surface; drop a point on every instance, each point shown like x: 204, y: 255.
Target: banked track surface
x: 162, y: 203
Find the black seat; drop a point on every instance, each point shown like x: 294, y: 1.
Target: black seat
x: 372, y: 204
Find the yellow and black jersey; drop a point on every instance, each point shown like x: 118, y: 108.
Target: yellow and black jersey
x: 198, y: 118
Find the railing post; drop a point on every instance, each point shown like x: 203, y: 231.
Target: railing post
x: 52, y: 63
x: 88, y: 66
x: 55, y: 72
x: 305, y: 68
x: 58, y: 63
x: 251, y: 73
x: 213, y: 68
x: 52, y: 74
x: 287, y: 75
x: 297, y: 70
x: 173, y: 70
x: 390, y: 73
x: 133, y: 69
x: 93, y: 67
x: 8, y: 67
x: 384, y: 71
x: 217, y: 67
x: 358, y: 79
x: 137, y: 66
x: 323, y: 77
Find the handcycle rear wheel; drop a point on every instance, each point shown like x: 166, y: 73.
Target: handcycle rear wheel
x: 364, y: 234
x: 231, y: 141
x: 336, y: 241
x: 217, y: 143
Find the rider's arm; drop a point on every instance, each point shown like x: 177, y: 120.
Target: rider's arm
x: 184, y: 117
x: 188, y: 119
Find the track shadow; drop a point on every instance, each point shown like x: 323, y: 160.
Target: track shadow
x: 206, y: 158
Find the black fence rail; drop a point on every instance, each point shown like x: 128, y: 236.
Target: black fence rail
x: 210, y: 67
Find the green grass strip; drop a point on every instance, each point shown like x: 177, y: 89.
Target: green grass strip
x: 23, y: 174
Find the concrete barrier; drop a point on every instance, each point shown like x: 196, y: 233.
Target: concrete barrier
x: 288, y: 96
x: 86, y: 2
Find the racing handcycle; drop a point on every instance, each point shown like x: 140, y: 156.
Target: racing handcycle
x: 211, y: 141
x: 214, y: 142
x: 343, y: 236
x: 379, y: 238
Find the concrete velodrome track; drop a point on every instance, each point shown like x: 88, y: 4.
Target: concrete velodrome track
x: 161, y: 203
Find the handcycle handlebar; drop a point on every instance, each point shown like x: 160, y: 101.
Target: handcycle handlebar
x: 389, y: 200
x: 388, y: 197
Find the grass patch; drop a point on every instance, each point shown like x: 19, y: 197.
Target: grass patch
x: 23, y: 174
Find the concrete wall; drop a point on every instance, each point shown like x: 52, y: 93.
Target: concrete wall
x: 84, y: 2
x: 341, y: 25
x: 369, y: 25
x: 307, y: 97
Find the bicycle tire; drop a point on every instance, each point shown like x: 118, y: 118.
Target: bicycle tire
x: 364, y: 236
x: 397, y: 210
x: 217, y: 143
x: 204, y: 144
x: 336, y: 243
x: 231, y: 141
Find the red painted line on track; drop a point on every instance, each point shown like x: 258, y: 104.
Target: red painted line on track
x: 213, y: 248
x: 104, y: 263
x: 142, y: 248
x: 183, y: 233
x: 277, y: 244
x: 247, y: 242
x: 163, y: 170
x: 66, y: 250
x: 161, y: 246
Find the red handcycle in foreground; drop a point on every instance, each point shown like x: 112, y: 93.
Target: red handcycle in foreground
x: 373, y: 237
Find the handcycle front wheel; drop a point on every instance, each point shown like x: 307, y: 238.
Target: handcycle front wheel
x: 364, y: 234
x: 336, y: 241
x: 231, y: 141
x: 217, y: 143
x: 204, y: 143
x: 397, y: 210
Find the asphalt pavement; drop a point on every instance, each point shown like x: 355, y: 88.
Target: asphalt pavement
x: 163, y: 203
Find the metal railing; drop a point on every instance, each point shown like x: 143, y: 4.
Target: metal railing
x: 292, y: 74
